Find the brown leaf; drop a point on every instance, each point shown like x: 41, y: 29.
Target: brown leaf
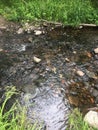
x: 89, y: 54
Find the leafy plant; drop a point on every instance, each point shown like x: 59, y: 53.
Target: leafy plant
x: 66, y: 11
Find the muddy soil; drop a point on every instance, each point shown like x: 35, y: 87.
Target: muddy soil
x: 66, y: 76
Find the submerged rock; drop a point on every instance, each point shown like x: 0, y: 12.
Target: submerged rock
x: 80, y: 73
x: 36, y: 60
x: 91, y: 74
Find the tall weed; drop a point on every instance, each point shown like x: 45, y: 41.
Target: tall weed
x: 15, y: 117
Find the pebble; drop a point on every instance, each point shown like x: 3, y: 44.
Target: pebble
x: 95, y: 93
x: 67, y: 59
x: 38, y: 32
x: 74, y: 52
x: 20, y: 31
x: 92, y: 118
x: 36, y: 60
x: 96, y: 50
x: 1, y: 49
x: 80, y: 73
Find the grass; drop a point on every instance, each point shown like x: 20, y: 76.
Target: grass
x: 71, y: 12
x: 15, y: 117
x: 76, y: 122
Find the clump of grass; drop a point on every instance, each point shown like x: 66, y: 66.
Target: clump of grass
x: 66, y: 11
x: 15, y: 117
x: 76, y: 121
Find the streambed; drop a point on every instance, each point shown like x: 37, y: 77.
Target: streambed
x: 51, y: 88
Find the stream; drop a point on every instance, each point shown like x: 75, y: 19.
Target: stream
x: 66, y: 76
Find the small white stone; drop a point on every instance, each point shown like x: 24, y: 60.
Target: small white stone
x: 20, y: 31
x: 74, y: 52
x: 36, y: 60
x: 38, y: 32
x: 67, y: 59
x: 1, y: 49
x: 80, y: 73
x: 96, y: 50
x: 92, y: 118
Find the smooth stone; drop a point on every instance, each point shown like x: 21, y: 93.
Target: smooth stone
x: 36, y: 60
x: 92, y: 118
x: 95, y: 93
x: 38, y: 32
x: 20, y: 31
x: 96, y: 50
x: 80, y: 73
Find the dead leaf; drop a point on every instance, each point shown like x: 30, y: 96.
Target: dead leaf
x: 89, y: 54
x: 54, y: 70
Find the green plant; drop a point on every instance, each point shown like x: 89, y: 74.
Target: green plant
x: 76, y: 121
x: 71, y: 12
x: 15, y: 117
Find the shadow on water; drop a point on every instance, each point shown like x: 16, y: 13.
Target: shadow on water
x: 50, y: 88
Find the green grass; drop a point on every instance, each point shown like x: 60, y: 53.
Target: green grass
x: 76, y: 121
x: 68, y: 12
x: 15, y: 117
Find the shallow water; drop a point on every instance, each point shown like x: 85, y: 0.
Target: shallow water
x: 51, y: 88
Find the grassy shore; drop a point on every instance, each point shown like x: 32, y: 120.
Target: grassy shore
x: 76, y: 121
x: 69, y: 12
x: 15, y: 117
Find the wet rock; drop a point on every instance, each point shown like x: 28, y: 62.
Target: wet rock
x: 95, y: 93
x: 20, y: 31
x: 92, y: 119
x: 30, y: 39
x: 74, y: 52
x: 96, y: 57
x: 1, y: 49
x: 91, y: 74
x: 96, y: 86
x: 96, y: 50
x: 67, y: 59
x: 79, y: 96
x: 38, y: 32
x: 80, y: 73
x: 36, y: 60
x: 97, y: 99
x: 29, y: 28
